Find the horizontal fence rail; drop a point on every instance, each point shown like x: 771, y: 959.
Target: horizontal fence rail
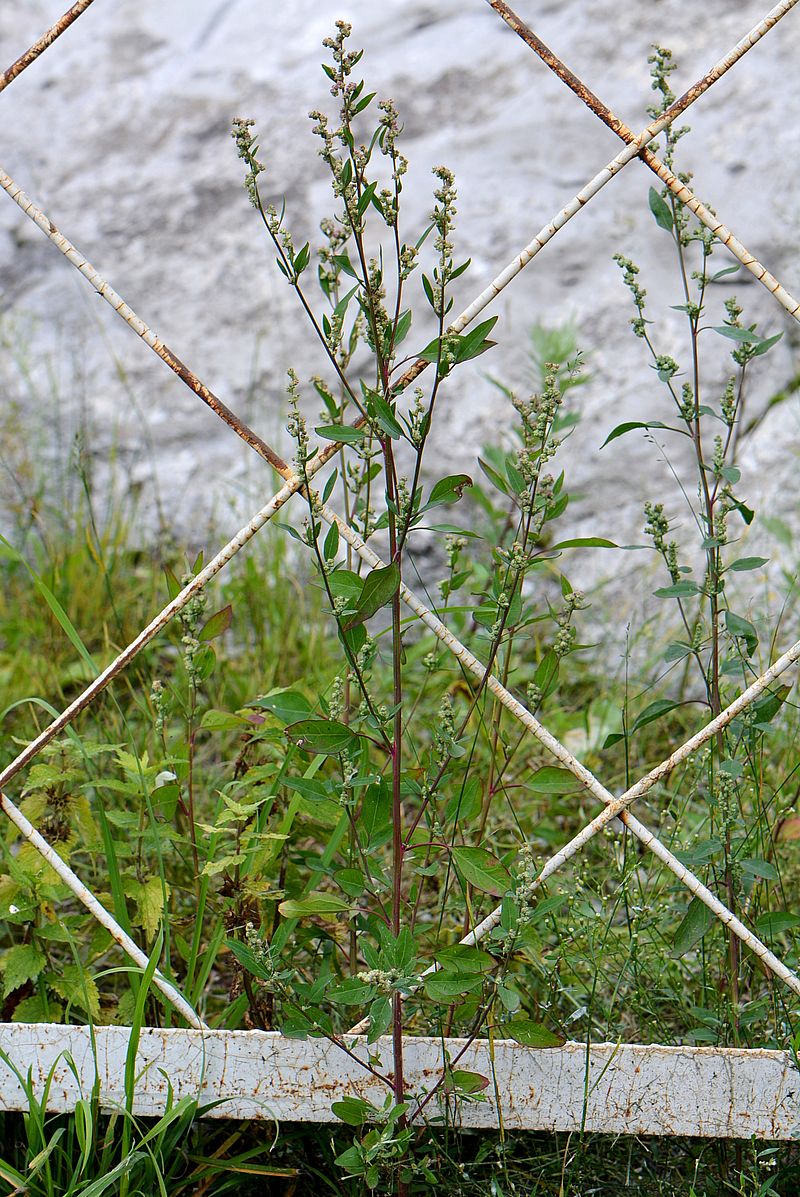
x: 610, y: 1088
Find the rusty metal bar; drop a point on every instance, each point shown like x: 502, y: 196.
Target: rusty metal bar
x: 679, y: 189
x: 467, y: 316
x: 615, y: 806
x: 47, y: 39
x: 98, y: 911
x: 107, y: 292
x: 159, y: 621
x: 622, y: 159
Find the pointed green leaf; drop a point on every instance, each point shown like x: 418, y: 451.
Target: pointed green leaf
x: 696, y: 922
x: 661, y: 210
x: 344, y: 434
x: 217, y: 624
x: 327, y: 905
x: 482, y: 870
x: 584, y: 542
x: 380, y: 587
x: 447, y: 490
x: 286, y: 705
x: 630, y: 425
x: 745, y: 563
x: 551, y: 780
x: 325, y: 736
x: 530, y: 1033
x: 653, y: 712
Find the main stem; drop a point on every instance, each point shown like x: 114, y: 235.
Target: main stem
x: 398, y: 849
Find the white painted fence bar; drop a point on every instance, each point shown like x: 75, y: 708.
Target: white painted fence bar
x: 632, y: 1089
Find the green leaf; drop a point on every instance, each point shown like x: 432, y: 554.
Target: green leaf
x: 753, y: 867
x: 464, y: 958
x: 331, y: 545
x: 353, y: 1110
x: 217, y: 624
x: 722, y: 273
x: 653, y: 712
x: 384, y: 417
x: 744, y: 563
x: 677, y: 651
x: 222, y: 721
x: 448, y: 490
x: 342, y: 260
x: 694, y: 925
x: 301, y: 259
x: 475, y: 342
x: 530, y: 1033
x: 766, y: 708
x: 327, y: 905
x: 325, y: 736
x: 764, y: 346
x: 629, y: 426
x: 448, y: 987
x: 376, y: 815
x: 745, y: 336
x: 491, y: 473
x: 777, y: 922
x: 78, y: 989
x: 551, y: 780
x: 344, y: 583
x: 466, y: 802
x: 402, y: 327
x: 248, y: 959
x: 584, y: 542
x: 342, y: 433
x: 20, y: 964
x: 380, y: 1018
x: 352, y: 992
x: 678, y: 590
x: 742, y: 629
x: 149, y: 898
x: 286, y: 705
x: 661, y: 210
x: 378, y: 590
x: 459, y: 1080
x: 309, y: 787
x: 482, y: 870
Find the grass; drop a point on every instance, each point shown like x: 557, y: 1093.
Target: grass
x: 614, y: 973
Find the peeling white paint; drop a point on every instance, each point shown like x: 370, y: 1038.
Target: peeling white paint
x: 632, y: 1089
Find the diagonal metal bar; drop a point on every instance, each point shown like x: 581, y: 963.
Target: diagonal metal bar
x: 615, y: 807
x: 83, y: 700
x: 623, y: 158
x: 99, y: 911
x: 679, y: 189
x: 47, y: 39
x: 107, y: 292
x: 482, y: 301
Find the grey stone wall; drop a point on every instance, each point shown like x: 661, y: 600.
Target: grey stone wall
x: 121, y: 133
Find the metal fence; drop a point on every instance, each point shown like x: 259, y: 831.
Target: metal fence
x: 614, y: 806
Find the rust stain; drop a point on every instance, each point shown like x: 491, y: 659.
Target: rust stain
x: 44, y: 41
